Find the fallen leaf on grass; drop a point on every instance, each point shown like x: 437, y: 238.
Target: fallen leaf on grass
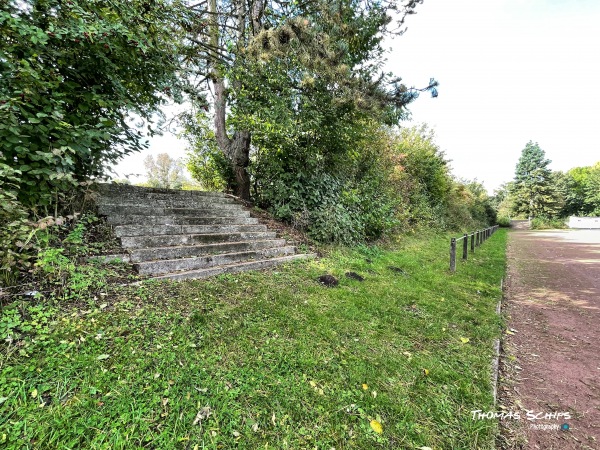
x: 464, y: 340
x: 365, y: 386
x: 104, y: 356
x: 34, y: 393
x: 376, y: 426
x: 424, y: 448
x: 425, y: 372
x: 203, y: 414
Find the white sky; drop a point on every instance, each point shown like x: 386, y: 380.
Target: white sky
x: 510, y: 71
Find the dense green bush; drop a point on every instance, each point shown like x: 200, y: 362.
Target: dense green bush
x: 16, y: 230
x: 433, y: 197
x: 205, y: 162
x: 337, y: 194
x: 503, y: 221
x: 359, y: 183
x: 547, y: 223
x: 71, y: 73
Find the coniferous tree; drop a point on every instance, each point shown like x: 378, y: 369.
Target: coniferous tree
x: 534, y: 190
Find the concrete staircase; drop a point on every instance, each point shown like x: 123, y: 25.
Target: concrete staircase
x: 189, y: 234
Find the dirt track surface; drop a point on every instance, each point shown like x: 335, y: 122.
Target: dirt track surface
x: 551, y: 361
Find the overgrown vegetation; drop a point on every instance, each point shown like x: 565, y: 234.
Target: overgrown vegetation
x: 545, y: 223
x: 71, y: 76
x: 269, y: 360
x: 263, y: 360
x: 60, y: 264
x: 375, y: 180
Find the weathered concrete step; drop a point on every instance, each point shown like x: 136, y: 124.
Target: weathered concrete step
x: 187, y: 251
x: 205, y: 203
x: 127, y: 190
x: 233, y: 268
x: 153, y: 230
x: 204, y: 262
x: 109, y: 210
x: 169, y: 240
x: 133, y: 219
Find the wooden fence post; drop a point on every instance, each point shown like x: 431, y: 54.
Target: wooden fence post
x: 473, y: 242
x: 465, y: 246
x: 453, y: 255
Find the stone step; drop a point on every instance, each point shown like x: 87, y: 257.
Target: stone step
x: 153, y: 230
x: 188, y: 251
x: 202, y: 203
x: 133, y: 219
x: 127, y: 190
x: 170, y: 240
x: 205, y: 262
x: 110, y: 210
x: 232, y: 268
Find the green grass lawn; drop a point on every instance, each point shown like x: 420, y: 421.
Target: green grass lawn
x: 267, y: 360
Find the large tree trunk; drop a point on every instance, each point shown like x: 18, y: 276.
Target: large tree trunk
x: 240, y: 157
x: 237, y: 148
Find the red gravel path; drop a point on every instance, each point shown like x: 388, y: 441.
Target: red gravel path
x: 552, y: 361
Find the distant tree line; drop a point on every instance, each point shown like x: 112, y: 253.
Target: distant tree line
x: 545, y: 195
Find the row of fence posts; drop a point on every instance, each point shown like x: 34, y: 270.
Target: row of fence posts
x: 478, y: 237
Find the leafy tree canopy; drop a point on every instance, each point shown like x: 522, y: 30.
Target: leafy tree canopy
x: 278, y: 67
x: 164, y: 171
x: 73, y: 76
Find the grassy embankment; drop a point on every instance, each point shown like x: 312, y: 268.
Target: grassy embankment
x: 269, y: 360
